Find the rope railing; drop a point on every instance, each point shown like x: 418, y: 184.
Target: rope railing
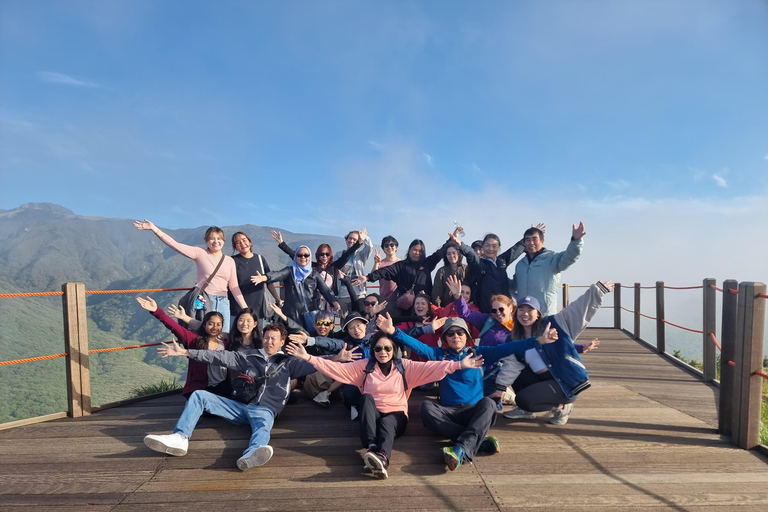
x: 32, y: 294
x: 683, y: 287
x: 681, y: 327
x: 31, y: 359
x: 714, y: 339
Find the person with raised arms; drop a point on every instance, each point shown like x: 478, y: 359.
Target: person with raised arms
x: 385, y: 383
x: 463, y: 415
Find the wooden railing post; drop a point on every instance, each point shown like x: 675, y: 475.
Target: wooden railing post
x: 76, y: 346
x: 745, y: 431
x: 566, y: 295
x: 637, y: 311
x: 617, y: 306
x: 728, y: 396
x: 661, y: 338
x: 709, y: 325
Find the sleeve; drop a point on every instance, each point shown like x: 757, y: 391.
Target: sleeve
x: 292, y: 325
x: 425, y: 351
x: 508, y: 373
x: 472, y: 259
x: 391, y: 272
x: 514, y: 252
x: 365, y: 253
x: 234, y: 286
x: 418, y: 373
x: 286, y: 249
x: 565, y: 259
x: 232, y: 360
x: 300, y: 368
x: 354, y: 305
x: 438, y: 287
x: 323, y: 288
x: 344, y: 258
x: 575, y: 318
x: 433, y: 259
x: 348, y: 373
x: 185, y: 250
x: 185, y: 336
x: 493, y: 354
x: 473, y: 317
x: 279, y: 275
x: 330, y: 344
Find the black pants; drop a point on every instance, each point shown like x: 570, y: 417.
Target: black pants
x: 465, y: 425
x: 351, y: 395
x: 542, y: 393
x: 379, y: 428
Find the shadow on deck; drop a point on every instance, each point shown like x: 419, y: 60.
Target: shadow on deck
x: 643, y: 437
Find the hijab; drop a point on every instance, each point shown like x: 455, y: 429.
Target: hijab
x: 301, y: 272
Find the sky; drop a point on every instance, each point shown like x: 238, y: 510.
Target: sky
x: 646, y: 119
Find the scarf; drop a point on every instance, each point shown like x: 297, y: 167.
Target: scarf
x: 301, y: 272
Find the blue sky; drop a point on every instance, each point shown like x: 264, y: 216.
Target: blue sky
x: 646, y: 119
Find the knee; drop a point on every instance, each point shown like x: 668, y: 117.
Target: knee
x: 366, y: 400
x: 487, y: 403
x: 428, y: 412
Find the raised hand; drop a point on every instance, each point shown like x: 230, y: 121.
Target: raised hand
x: 258, y: 278
x: 472, y: 362
x: 336, y: 306
x: 299, y: 337
x: 149, y: 304
x: 358, y: 280
x: 454, y: 238
x: 363, y: 234
x: 437, y: 323
x: 578, y: 231
x: 297, y: 350
x: 346, y: 356
x: 454, y: 285
x: 377, y: 256
x: 541, y: 227
x: 385, y: 324
x: 278, y: 236
x: 381, y: 306
x: 592, y: 345
x: 609, y: 284
x: 146, y: 225
x: 549, y: 336
x: 277, y: 310
x: 172, y: 349
x: 178, y: 313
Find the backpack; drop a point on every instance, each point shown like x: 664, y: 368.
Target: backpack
x: 396, y: 362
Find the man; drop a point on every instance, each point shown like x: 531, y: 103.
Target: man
x: 267, y: 366
x: 355, y: 267
x: 463, y: 415
x: 538, y: 273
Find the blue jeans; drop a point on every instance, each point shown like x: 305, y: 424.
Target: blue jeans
x: 221, y: 304
x: 260, y: 418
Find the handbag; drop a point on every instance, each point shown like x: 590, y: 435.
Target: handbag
x: 196, y: 302
x: 405, y: 301
x: 308, y: 316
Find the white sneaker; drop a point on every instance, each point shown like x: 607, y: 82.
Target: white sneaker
x: 519, y: 414
x: 172, y: 444
x: 508, y: 397
x: 560, y: 416
x: 256, y: 457
x: 323, y: 398
x: 353, y: 413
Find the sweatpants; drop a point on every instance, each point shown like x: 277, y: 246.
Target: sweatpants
x: 379, y: 428
x: 465, y: 425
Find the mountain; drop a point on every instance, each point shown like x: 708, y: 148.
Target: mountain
x: 43, y: 246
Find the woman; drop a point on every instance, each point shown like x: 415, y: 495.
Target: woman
x: 387, y: 288
x: 385, y: 384
x: 453, y: 266
x: 245, y: 337
x: 247, y: 263
x: 207, y: 337
x: 206, y: 261
x: 301, y: 282
x: 549, y: 379
x: 494, y: 327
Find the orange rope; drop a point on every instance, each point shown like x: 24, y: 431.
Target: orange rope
x: 648, y: 317
x: 41, y: 358
x: 98, y: 350
x: 731, y: 363
x: 89, y: 292
x: 716, y: 343
x: 763, y: 375
x: 762, y: 296
x: 716, y: 288
x: 683, y: 287
x: 36, y: 294
x: 681, y: 327
x: 734, y: 291
x: 627, y: 310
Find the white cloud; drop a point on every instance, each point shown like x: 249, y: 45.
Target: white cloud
x: 428, y: 158
x: 720, y: 181
x: 61, y: 78
x: 618, y: 184
x: 375, y: 145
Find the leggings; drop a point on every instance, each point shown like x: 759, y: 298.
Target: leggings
x: 544, y: 395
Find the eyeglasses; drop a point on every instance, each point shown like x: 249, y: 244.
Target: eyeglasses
x: 389, y: 245
x: 385, y: 348
x: 455, y: 332
x: 302, y: 255
x: 366, y: 303
x: 323, y: 254
x: 326, y: 323
x: 499, y: 311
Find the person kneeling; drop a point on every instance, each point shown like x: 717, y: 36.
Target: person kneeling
x: 259, y: 395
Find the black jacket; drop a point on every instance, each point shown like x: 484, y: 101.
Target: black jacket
x: 294, y: 305
x: 491, y: 278
x: 408, y: 274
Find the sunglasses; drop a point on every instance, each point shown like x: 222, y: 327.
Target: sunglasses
x: 499, y: 311
x: 324, y: 322
x: 389, y: 245
x: 455, y: 332
x: 323, y: 254
x: 385, y: 348
x: 366, y: 303
x: 302, y: 255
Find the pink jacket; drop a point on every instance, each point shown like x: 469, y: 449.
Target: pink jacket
x: 387, y: 390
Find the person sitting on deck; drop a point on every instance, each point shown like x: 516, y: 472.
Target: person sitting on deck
x: 538, y: 273
x: 258, y: 405
x: 463, y: 415
x: 386, y: 382
x: 549, y: 378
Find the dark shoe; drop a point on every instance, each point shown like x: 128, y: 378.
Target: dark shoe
x: 454, y: 457
x: 489, y: 446
x: 378, y: 463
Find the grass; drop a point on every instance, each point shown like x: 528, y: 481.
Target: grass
x: 763, y: 409
x: 160, y: 387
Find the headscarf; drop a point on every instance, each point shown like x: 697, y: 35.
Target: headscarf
x: 301, y: 272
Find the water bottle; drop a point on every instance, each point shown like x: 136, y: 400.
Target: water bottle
x: 456, y: 225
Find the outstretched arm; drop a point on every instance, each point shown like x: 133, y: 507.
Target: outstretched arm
x: 185, y: 250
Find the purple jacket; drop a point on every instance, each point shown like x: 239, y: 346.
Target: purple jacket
x: 496, y: 335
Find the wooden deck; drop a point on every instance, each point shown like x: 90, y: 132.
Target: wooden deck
x: 643, y: 437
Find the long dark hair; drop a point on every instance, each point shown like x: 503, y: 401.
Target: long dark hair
x: 236, y: 337
x: 201, y: 342
x: 445, y: 258
x: 518, y: 331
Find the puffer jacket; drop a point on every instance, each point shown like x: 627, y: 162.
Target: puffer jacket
x: 301, y: 298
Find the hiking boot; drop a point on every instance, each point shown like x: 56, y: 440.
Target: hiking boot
x: 519, y: 414
x: 560, y: 416
x: 377, y: 462
x: 172, y: 444
x: 454, y: 457
x: 353, y: 413
x: 489, y: 446
x: 323, y: 399
x: 255, y: 457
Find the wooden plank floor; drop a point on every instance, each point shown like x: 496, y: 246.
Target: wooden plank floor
x: 643, y: 437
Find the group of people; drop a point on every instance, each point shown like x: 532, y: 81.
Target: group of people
x: 480, y: 337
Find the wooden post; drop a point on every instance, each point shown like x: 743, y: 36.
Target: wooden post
x: 617, y: 306
x: 661, y: 339
x: 637, y: 311
x: 709, y: 325
x: 566, y: 295
x: 727, y: 342
x: 76, y: 346
x: 745, y: 432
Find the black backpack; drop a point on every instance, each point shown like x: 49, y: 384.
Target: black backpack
x: 245, y: 388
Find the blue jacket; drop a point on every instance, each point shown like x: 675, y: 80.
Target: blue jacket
x: 564, y: 362
x: 463, y: 386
